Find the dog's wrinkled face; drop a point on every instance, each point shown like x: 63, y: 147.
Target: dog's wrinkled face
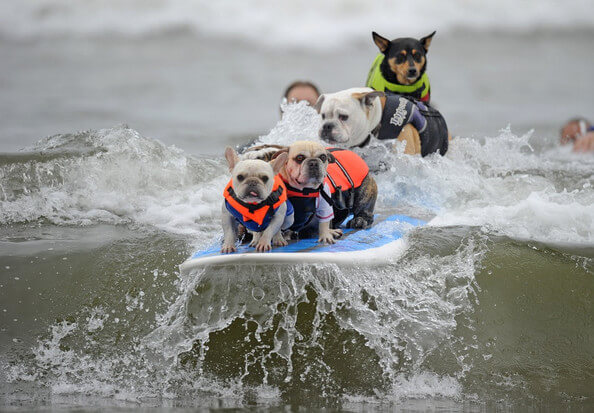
x: 252, y: 179
x: 406, y: 57
x: 348, y: 116
x: 306, y: 164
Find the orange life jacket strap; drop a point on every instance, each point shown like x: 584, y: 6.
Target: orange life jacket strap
x: 293, y: 192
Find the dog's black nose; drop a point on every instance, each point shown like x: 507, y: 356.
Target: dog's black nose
x: 313, y: 163
x: 327, y: 127
x: 412, y: 72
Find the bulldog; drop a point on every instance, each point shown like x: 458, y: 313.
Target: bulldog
x: 327, y: 184
x: 352, y: 117
x: 255, y: 198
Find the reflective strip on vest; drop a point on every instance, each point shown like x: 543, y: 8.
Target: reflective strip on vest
x: 347, y: 172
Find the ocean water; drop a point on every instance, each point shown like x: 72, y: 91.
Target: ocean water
x: 113, y: 119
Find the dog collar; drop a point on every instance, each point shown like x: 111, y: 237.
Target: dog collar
x: 366, y: 141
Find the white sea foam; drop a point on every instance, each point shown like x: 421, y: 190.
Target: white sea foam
x: 498, y: 183
x: 319, y: 24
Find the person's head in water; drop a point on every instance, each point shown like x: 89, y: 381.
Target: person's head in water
x: 573, y: 129
x: 302, y: 90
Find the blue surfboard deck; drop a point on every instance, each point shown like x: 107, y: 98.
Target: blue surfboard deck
x: 380, y: 241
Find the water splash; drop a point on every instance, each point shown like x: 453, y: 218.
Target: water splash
x: 110, y: 176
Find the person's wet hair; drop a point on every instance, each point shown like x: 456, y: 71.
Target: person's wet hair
x: 300, y: 83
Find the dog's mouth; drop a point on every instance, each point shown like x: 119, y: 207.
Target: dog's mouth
x: 307, y: 181
x: 252, y: 197
x: 334, y: 138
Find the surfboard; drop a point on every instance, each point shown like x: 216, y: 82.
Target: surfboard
x: 383, y: 240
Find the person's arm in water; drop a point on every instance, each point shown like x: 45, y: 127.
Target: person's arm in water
x: 573, y: 129
x: 584, y: 143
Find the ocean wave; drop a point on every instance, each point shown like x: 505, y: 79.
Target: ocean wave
x: 112, y: 176
x: 117, y: 176
x: 320, y: 24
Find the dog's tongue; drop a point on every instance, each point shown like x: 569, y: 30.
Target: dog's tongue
x: 254, y: 193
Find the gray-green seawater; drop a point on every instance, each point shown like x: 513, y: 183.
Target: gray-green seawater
x: 490, y: 305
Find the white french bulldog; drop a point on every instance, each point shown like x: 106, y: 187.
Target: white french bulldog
x: 351, y: 117
x: 252, y: 185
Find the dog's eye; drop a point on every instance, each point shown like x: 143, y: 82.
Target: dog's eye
x: 343, y: 117
x: 400, y: 58
x: 417, y: 56
x: 264, y: 178
x: 240, y: 177
x: 299, y: 158
x: 323, y: 158
x: 323, y: 116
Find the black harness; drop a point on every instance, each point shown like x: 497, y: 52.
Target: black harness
x: 400, y: 111
x: 397, y: 113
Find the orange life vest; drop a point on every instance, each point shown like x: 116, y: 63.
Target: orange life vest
x: 255, y: 217
x: 347, y: 172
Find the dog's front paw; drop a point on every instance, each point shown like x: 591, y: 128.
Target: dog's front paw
x: 336, y: 233
x: 329, y: 236
x: 255, y: 238
x: 263, y: 245
x: 358, y: 222
x: 289, y: 235
x: 228, y: 248
x: 279, y: 240
x: 326, y: 239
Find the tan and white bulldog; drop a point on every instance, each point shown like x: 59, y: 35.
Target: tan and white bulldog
x: 305, y: 170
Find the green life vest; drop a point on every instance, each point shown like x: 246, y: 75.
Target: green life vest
x: 375, y: 80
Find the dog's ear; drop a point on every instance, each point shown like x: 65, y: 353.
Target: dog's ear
x: 277, y: 154
x: 319, y: 103
x: 381, y: 42
x: 366, y: 98
x: 231, y: 156
x: 426, y: 41
x: 280, y: 159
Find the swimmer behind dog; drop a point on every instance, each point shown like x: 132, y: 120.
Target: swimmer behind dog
x: 256, y: 198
